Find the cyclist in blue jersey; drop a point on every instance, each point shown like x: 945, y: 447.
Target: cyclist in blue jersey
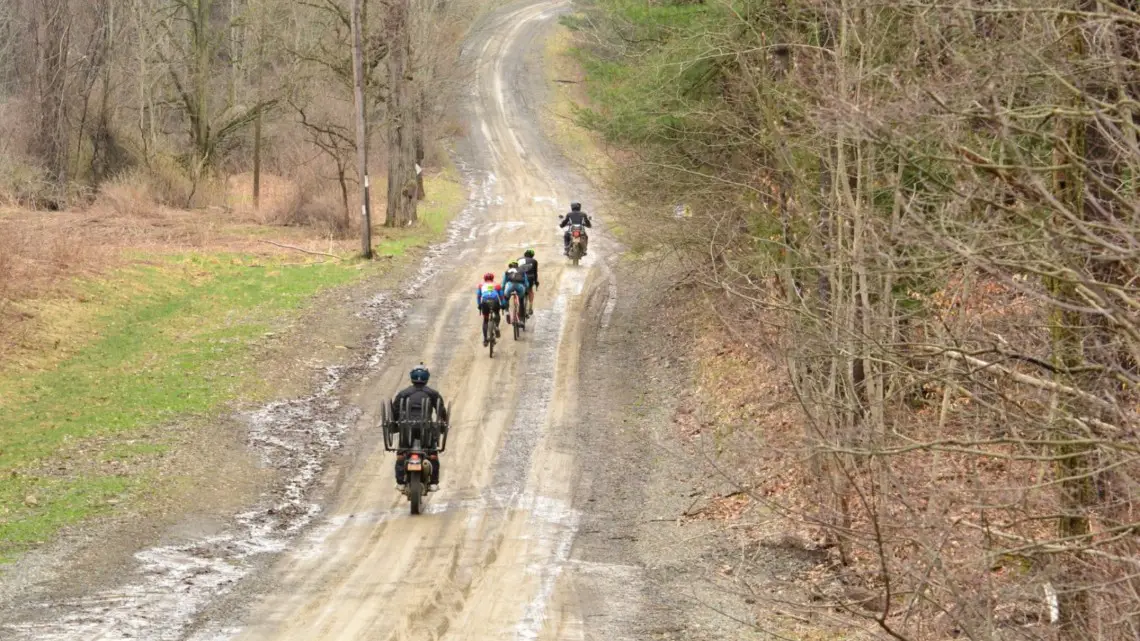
x: 516, y: 280
x: 489, y: 299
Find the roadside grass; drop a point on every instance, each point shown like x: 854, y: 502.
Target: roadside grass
x: 166, y: 337
x: 568, y: 83
x: 566, y: 79
x: 434, y: 214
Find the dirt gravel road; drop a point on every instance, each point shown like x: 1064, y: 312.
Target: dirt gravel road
x: 486, y: 560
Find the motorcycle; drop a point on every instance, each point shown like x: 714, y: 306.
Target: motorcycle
x: 577, y: 243
x: 418, y: 459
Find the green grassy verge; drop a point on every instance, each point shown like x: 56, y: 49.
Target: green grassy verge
x: 166, y: 338
x: 444, y: 197
x: 568, y: 83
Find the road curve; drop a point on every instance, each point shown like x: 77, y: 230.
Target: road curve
x: 484, y: 561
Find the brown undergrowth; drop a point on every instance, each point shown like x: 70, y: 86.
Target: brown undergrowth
x: 949, y: 500
x: 44, y: 254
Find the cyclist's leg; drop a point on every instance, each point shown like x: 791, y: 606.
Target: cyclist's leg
x: 485, y: 308
x: 519, y: 292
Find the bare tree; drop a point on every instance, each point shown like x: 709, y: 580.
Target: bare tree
x: 172, y: 94
x: 933, y: 201
x: 51, y: 27
x: 402, y: 107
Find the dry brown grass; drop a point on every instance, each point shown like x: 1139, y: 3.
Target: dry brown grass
x: 42, y: 253
x: 128, y: 195
x: 303, y: 202
x: 279, y: 197
x: 36, y: 251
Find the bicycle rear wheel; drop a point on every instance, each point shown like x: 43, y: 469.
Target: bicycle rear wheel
x: 515, y: 320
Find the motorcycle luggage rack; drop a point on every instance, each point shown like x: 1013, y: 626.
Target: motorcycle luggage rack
x: 426, y: 426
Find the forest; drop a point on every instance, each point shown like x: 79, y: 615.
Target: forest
x: 144, y: 102
x: 925, y: 214
x: 180, y: 179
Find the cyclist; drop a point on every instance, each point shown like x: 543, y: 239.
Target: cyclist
x: 530, y: 266
x: 489, y: 299
x: 515, y: 280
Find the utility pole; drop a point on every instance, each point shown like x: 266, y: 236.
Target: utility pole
x: 361, y: 132
x: 259, y: 52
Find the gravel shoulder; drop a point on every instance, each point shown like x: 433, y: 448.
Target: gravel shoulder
x: 646, y: 569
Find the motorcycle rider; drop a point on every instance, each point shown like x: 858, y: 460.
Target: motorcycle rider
x: 489, y: 299
x: 530, y: 266
x: 515, y: 280
x: 575, y: 217
x: 421, y: 401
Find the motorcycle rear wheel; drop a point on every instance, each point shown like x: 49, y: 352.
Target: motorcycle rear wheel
x: 415, y: 491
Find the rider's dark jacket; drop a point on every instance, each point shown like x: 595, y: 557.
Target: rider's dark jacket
x: 420, y: 399
x: 576, y: 218
x: 530, y: 266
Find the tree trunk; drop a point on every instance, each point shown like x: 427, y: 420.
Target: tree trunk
x: 53, y: 42
x: 257, y: 162
x: 1065, y: 332
x: 401, y: 120
x: 104, y: 159
x: 421, y: 102
x: 200, y: 119
x: 342, y: 181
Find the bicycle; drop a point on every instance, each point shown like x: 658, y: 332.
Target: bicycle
x: 513, y: 314
x: 491, y: 329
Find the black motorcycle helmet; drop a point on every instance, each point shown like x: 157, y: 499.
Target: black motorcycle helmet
x: 529, y: 253
x: 420, y: 375
x: 575, y: 206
